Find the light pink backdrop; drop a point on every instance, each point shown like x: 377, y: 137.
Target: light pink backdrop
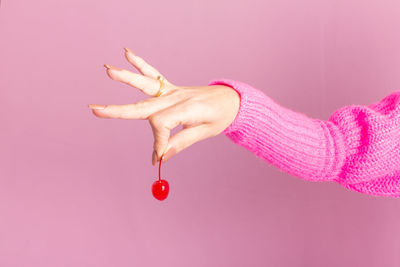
x: 75, y: 189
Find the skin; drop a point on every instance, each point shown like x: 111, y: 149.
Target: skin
x: 203, y: 111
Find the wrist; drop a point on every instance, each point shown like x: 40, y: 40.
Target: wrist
x: 241, y: 98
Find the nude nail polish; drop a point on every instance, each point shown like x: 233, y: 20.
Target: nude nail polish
x: 169, y: 154
x: 153, y: 158
x: 129, y: 51
x: 97, y: 107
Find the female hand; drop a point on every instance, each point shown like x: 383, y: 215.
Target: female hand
x: 203, y: 111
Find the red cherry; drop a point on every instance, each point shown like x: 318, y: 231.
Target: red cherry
x: 160, y: 189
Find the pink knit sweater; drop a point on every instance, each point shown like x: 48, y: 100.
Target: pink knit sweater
x: 358, y: 146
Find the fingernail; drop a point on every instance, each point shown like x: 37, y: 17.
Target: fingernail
x: 169, y: 154
x: 153, y: 158
x: 111, y: 67
x: 95, y: 106
x: 129, y: 51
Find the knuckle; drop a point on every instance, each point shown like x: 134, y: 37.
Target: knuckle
x: 131, y: 81
x: 120, y: 111
x: 112, y: 111
x: 156, y: 120
x: 139, y: 105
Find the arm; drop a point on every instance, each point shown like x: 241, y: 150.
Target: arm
x: 358, y: 146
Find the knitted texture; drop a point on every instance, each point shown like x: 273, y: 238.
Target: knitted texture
x: 357, y: 147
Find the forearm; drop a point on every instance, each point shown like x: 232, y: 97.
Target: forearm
x: 308, y: 148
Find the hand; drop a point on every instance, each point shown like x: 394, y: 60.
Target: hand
x: 203, y: 111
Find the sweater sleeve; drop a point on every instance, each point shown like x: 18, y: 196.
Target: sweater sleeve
x: 357, y: 147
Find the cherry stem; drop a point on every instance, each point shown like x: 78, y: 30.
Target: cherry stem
x: 159, y: 171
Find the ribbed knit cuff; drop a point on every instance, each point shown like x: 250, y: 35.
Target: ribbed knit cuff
x: 292, y: 141
x: 245, y: 92
x: 356, y: 147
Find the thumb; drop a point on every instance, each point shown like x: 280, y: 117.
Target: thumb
x: 185, y: 138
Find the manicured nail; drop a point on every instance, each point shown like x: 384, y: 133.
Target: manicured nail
x: 95, y: 106
x: 129, y: 51
x: 111, y: 67
x: 153, y: 159
x: 169, y: 154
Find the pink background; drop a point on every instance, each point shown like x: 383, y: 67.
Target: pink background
x: 75, y: 189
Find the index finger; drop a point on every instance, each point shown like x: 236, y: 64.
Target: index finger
x: 139, y: 110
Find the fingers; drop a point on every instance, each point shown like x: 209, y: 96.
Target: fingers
x: 146, y: 84
x: 141, y: 65
x: 165, y: 120
x: 140, y: 110
x: 186, y: 138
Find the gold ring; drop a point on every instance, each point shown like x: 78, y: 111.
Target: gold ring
x: 162, y: 87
